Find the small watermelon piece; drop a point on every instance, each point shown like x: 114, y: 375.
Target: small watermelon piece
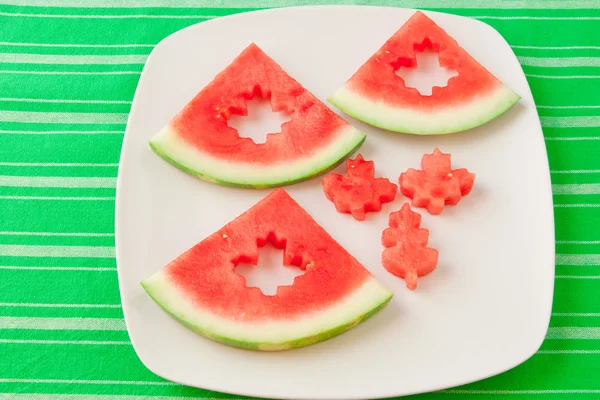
x: 404, y: 227
x: 376, y: 95
x: 201, y: 289
x: 437, y: 184
x: 358, y: 192
x: 406, y: 254
x: 410, y: 261
x: 199, y: 141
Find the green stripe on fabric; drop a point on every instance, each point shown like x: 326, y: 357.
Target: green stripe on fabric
x: 573, y: 155
x: 65, y: 216
x: 11, y: 239
x: 67, y: 264
x: 11, y: 396
x: 49, y: 312
x: 68, y: 73
x: 68, y: 106
x: 69, y: 86
x: 100, y: 288
x: 51, y: 148
x: 577, y: 296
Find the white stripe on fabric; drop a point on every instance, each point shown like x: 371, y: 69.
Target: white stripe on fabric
x: 53, y: 198
x: 62, y: 117
x: 578, y: 259
x: 24, y: 164
x: 82, y: 342
x: 61, y: 324
x: 575, y: 171
x: 207, y: 17
x: 75, y: 234
x: 571, y: 122
x: 17, y: 250
x: 25, y: 58
x: 13, y: 132
x: 58, y: 181
x: 140, y: 45
x: 576, y: 205
x: 92, y: 16
x: 562, y: 76
x: 520, y: 391
x: 577, y: 276
x: 76, y: 45
x: 573, y: 138
x: 576, y: 314
x: 5, y: 71
x: 87, y: 382
x: 47, y: 305
x: 578, y: 242
x: 573, y: 332
x: 568, y: 352
x: 583, y: 188
x: 532, y: 18
x: 27, y: 268
x: 568, y: 107
x: 66, y: 101
x: 501, y: 4
x: 557, y: 47
x: 34, y: 396
x: 560, y: 62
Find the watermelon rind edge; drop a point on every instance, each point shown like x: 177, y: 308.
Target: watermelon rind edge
x: 413, y: 121
x: 168, y: 145
x: 364, y: 302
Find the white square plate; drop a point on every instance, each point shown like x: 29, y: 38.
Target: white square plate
x: 484, y: 310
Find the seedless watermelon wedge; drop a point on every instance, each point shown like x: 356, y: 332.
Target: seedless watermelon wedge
x: 200, y: 288
x: 199, y: 141
x: 376, y: 95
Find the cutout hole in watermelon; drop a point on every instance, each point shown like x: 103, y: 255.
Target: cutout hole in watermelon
x: 269, y: 272
x: 260, y: 120
x: 427, y: 74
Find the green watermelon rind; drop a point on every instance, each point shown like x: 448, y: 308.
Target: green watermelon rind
x: 413, y: 121
x: 168, y: 145
x: 173, y: 303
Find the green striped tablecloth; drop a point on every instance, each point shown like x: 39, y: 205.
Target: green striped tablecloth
x: 68, y: 71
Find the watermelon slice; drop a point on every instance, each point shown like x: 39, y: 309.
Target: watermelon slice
x: 200, y: 288
x: 199, y: 141
x: 437, y: 184
x: 406, y: 254
x: 358, y: 192
x: 376, y: 95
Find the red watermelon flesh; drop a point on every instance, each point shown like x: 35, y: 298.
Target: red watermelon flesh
x: 358, y: 192
x: 436, y: 184
x: 410, y: 261
x: 406, y: 254
x: 376, y: 95
x: 201, y: 289
x: 404, y: 227
x: 199, y: 140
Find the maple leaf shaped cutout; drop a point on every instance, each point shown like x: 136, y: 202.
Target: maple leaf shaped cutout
x: 404, y: 227
x: 409, y: 262
x: 436, y: 184
x: 406, y: 254
x: 358, y: 192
